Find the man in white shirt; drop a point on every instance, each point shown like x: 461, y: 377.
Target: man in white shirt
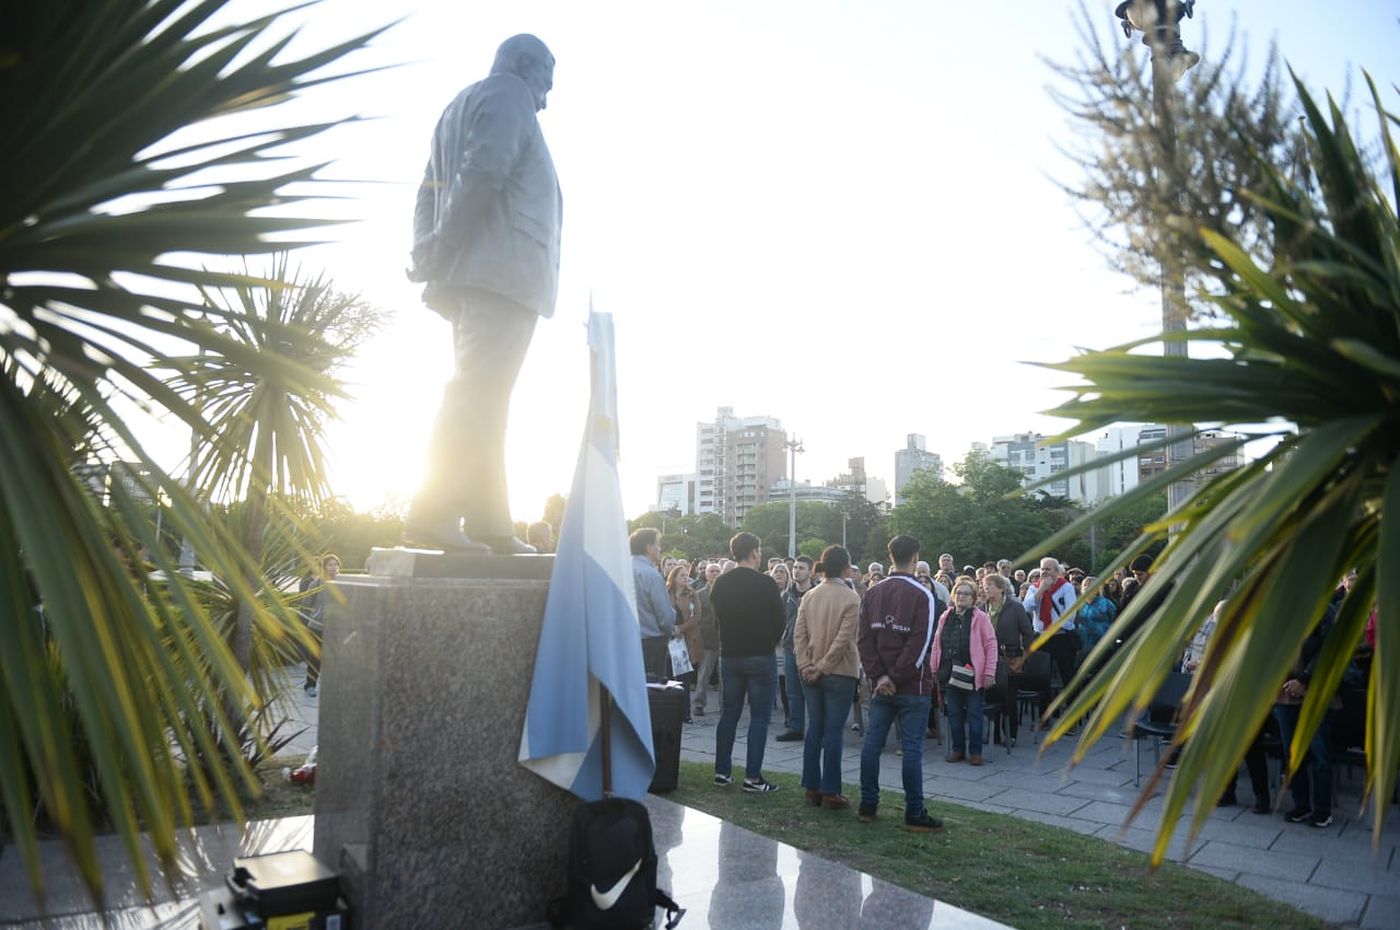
x: 1046, y: 602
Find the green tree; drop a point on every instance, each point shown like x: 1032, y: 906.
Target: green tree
x: 1120, y: 530
x: 95, y: 308
x: 334, y: 526
x: 692, y: 536
x: 866, y: 527
x: 769, y: 522
x: 706, y: 535
x: 1311, y: 327
x: 978, y: 520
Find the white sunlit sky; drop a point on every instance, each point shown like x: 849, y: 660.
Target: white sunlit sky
x: 839, y: 214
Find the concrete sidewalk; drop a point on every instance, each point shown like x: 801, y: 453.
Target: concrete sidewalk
x: 1331, y: 872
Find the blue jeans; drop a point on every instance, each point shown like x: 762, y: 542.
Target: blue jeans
x: 828, y: 703
x: 911, y: 711
x: 965, y: 709
x: 754, y: 677
x: 796, y: 693
x: 1312, y: 786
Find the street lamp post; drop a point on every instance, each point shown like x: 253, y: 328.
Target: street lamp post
x: 794, y: 446
x: 1160, y: 23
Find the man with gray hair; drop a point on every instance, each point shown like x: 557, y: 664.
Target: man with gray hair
x: 486, y: 245
x: 1046, y: 602
x: 924, y: 573
x: 655, y: 614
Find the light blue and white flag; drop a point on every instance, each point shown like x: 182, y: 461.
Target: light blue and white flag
x: 590, y: 632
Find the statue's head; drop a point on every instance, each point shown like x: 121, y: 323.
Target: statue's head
x: 529, y: 59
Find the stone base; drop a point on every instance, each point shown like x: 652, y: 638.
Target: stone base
x: 403, y: 562
x: 420, y: 803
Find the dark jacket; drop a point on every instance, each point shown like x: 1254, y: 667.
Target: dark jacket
x: 895, y: 634
x: 792, y: 599
x: 1015, y: 633
x: 1144, y: 611
x: 749, y: 611
x: 489, y: 211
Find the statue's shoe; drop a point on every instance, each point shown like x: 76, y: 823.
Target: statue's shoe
x: 444, y: 536
x: 508, y: 545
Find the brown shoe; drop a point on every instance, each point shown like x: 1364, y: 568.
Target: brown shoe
x: 954, y: 757
x: 835, y: 802
x: 814, y: 797
x: 974, y: 759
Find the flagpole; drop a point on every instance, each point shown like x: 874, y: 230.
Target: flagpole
x: 604, y: 730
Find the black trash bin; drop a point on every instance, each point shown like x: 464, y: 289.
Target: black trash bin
x: 667, y: 719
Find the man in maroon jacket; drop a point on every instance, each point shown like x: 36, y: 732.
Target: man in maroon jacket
x: 895, y: 633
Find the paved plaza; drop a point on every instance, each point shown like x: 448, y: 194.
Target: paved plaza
x: 1330, y: 872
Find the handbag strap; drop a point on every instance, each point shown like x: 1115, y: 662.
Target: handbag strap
x: 674, y: 912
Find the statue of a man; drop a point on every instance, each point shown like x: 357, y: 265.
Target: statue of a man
x: 486, y: 242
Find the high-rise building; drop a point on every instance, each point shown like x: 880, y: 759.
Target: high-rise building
x: 1154, y: 462
x: 854, y: 479
x: 737, y: 459
x: 1151, y: 461
x: 1209, y: 440
x: 1037, y: 461
x: 676, y: 493
x: 130, y: 476
x: 1120, y: 477
x: 1127, y: 473
x: 914, y: 458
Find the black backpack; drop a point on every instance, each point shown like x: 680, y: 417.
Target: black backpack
x: 612, y: 870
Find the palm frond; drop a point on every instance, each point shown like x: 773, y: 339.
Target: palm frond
x: 1312, y: 332
x: 102, y: 179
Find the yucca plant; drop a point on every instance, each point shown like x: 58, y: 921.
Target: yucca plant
x: 101, y: 187
x: 1313, y: 346
x: 276, y: 640
x: 270, y: 433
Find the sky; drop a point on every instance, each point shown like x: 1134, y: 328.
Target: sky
x: 841, y: 215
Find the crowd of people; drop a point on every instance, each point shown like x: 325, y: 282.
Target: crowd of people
x: 824, y: 641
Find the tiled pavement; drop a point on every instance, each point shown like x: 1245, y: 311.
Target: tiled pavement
x: 1331, y: 873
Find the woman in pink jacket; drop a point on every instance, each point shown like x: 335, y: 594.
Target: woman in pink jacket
x: 965, y: 656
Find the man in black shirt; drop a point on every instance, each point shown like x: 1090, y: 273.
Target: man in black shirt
x: 750, y: 615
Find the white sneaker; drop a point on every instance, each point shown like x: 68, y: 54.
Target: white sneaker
x: 759, y: 785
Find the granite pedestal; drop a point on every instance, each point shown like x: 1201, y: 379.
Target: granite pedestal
x: 420, y: 803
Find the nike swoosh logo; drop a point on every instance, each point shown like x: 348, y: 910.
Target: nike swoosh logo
x: 606, y: 899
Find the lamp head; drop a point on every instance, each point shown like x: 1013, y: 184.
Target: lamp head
x: 1159, y: 22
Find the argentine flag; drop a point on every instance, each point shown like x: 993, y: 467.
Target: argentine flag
x: 590, y: 633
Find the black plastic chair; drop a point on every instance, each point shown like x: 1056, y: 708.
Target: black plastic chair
x: 994, y: 709
x: 1033, y: 690
x: 1158, y: 721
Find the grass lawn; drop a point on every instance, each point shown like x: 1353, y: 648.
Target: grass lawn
x: 1025, y: 874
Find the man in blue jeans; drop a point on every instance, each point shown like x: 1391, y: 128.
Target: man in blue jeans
x: 894, y: 636
x: 749, y: 613
x: 796, y: 700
